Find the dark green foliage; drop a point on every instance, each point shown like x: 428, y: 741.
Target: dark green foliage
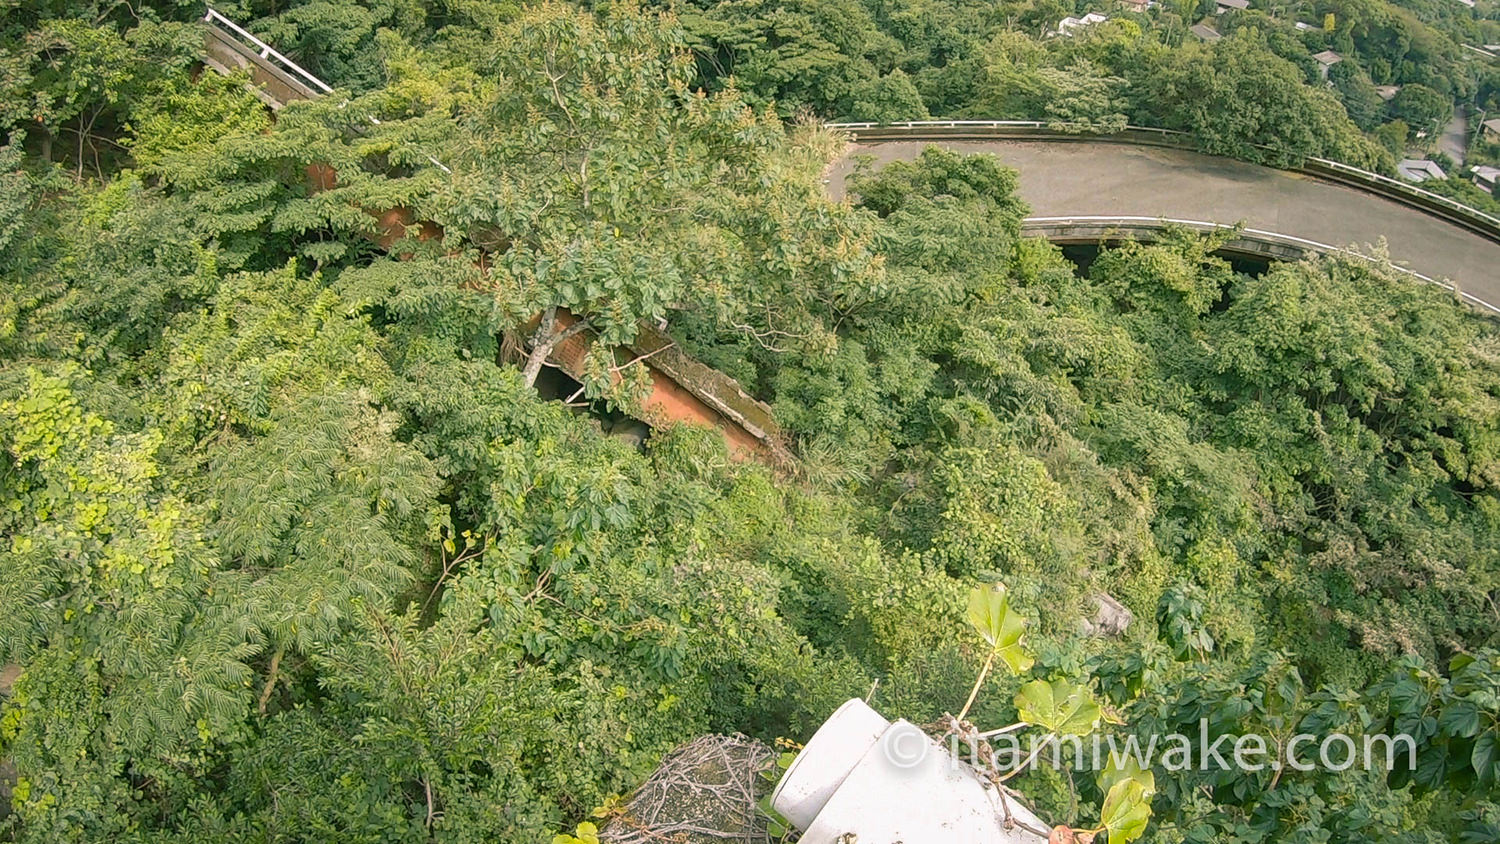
x: 1361, y: 101
x: 889, y: 99
x: 1422, y: 108
x: 799, y: 54
x: 1235, y: 97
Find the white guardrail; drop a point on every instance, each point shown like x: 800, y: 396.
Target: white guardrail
x: 266, y: 51
x: 1386, y: 182
x: 1406, y: 187
x: 1260, y: 235
x: 297, y: 71
x: 1061, y: 128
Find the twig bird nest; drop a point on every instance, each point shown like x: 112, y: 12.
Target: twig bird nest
x: 704, y: 792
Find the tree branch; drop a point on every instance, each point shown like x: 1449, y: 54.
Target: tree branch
x: 265, y: 694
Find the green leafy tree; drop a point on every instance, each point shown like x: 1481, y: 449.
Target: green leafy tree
x: 1234, y: 97
x: 1077, y: 98
x: 1421, y: 107
x: 1393, y: 136
x: 889, y: 99
x: 805, y: 54
x: 1361, y: 101
x: 603, y: 187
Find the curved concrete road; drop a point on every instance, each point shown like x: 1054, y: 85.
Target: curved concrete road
x: 1090, y: 178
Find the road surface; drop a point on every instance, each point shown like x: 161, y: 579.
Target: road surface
x: 1455, y: 139
x: 1091, y: 178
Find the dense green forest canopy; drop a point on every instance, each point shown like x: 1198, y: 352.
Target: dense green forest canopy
x: 294, y: 552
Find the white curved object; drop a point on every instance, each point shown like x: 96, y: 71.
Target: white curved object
x: 834, y: 749
x: 903, y: 786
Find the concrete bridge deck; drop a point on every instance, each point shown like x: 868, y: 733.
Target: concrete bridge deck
x: 1090, y: 178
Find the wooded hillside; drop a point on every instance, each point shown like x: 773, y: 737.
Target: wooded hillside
x: 295, y: 550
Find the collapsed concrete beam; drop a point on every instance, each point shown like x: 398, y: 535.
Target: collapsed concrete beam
x: 682, y: 390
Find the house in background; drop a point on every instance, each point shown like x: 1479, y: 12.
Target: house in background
x: 1067, y: 26
x: 1304, y: 26
x: 1326, y: 60
x: 1419, y: 170
x: 1137, y: 6
x: 1387, y: 92
x: 1485, y: 177
x: 1492, y: 129
x: 1226, y: 5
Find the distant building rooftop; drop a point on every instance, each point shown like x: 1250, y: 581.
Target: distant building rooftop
x: 1225, y: 5
x: 1492, y: 125
x: 1328, y: 58
x: 1304, y: 26
x: 1419, y: 170
x: 1486, y: 176
x: 1387, y: 92
x: 1205, y: 32
x: 1066, y: 26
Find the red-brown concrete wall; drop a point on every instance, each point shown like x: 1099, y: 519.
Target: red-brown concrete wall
x: 668, y: 402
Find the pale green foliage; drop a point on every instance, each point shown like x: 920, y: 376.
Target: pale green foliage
x: 80, y: 482
x: 1119, y: 770
x: 175, y: 121
x: 1059, y: 707
x: 1018, y: 84
x: 990, y: 614
x: 1004, y: 513
x: 586, y: 833
x: 108, y: 582
x: 1126, y: 811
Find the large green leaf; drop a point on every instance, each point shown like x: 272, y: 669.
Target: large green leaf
x: 1126, y: 769
x: 1486, y: 756
x: 1127, y: 810
x: 1059, y: 706
x: 1460, y: 718
x: 989, y: 612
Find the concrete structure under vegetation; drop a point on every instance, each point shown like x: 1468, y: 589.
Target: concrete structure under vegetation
x: 1083, y: 193
x: 1145, y: 176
